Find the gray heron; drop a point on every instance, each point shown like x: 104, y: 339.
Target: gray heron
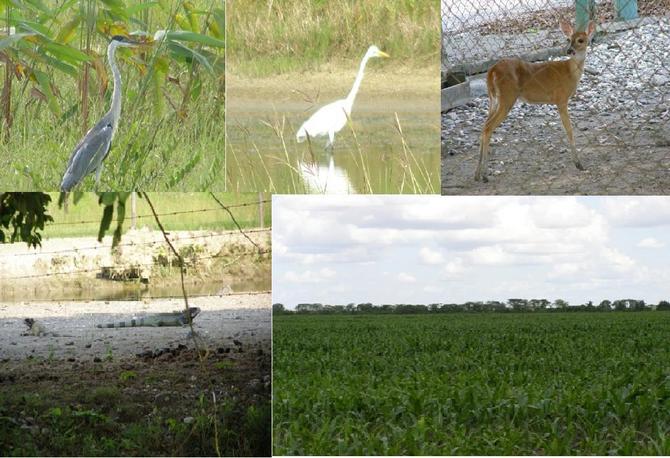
x: 88, y: 155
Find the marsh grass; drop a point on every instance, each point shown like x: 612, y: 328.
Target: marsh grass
x: 279, y: 36
x: 370, y: 168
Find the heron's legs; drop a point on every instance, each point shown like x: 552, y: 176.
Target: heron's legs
x: 330, y: 144
x: 98, y: 172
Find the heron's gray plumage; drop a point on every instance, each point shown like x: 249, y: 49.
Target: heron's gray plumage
x: 92, y: 150
x: 87, y: 157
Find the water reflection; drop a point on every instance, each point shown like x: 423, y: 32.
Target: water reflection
x: 105, y: 290
x: 324, y: 177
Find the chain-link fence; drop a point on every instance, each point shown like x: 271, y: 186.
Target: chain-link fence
x: 620, y: 111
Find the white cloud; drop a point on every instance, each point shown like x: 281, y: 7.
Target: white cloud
x: 473, y: 247
x: 650, y: 242
x: 429, y: 256
x: 310, y: 276
x: 491, y: 255
x: 455, y: 267
x: 645, y: 211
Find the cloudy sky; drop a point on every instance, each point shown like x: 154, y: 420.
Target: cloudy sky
x: 424, y: 249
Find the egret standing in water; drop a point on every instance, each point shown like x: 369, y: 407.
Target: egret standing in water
x: 88, y: 155
x: 333, y: 117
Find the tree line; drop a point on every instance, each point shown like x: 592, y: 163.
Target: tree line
x: 511, y: 305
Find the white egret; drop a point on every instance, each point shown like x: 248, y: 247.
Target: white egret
x: 333, y: 117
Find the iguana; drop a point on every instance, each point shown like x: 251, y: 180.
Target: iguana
x: 37, y: 329
x: 177, y: 318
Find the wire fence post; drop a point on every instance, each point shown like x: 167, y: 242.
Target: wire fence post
x: 261, y: 211
x: 133, y: 210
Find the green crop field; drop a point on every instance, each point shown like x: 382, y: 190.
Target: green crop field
x: 549, y: 384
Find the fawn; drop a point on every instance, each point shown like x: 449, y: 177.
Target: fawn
x: 544, y: 82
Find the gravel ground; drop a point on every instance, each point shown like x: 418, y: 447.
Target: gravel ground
x: 621, y: 118
x: 226, y: 323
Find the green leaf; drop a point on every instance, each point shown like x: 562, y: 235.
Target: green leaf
x: 180, y: 174
x: 134, y: 9
x: 66, y: 53
x: 10, y: 40
x: 67, y: 33
x: 107, y: 198
x: 45, y: 86
x: 189, y: 54
x: 120, y: 217
x: 106, y: 221
x: 183, y: 35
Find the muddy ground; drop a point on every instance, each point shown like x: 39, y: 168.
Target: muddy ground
x: 621, y: 126
x: 136, y: 391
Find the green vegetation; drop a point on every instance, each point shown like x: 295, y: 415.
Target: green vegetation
x: 512, y: 305
x: 101, y: 412
x: 267, y: 38
x: 480, y: 384
x: 56, y: 85
x: 25, y: 213
x: 69, y: 223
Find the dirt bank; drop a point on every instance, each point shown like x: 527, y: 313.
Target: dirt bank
x: 82, y: 268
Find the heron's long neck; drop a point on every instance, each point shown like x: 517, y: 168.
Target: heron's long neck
x: 357, y: 83
x: 116, y: 94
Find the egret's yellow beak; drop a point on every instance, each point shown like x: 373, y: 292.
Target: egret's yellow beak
x: 382, y: 54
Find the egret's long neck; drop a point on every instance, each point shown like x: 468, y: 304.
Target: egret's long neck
x: 357, y: 83
x: 116, y: 94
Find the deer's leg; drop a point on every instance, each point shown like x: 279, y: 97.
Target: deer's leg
x: 565, y: 118
x: 498, y: 110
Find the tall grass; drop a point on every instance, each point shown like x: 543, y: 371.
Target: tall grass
x: 171, y: 134
x: 277, y: 36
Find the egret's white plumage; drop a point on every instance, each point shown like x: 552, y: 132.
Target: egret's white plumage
x: 331, y: 118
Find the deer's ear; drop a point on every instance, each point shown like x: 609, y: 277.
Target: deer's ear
x: 566, y: 28
x: 591, y: 28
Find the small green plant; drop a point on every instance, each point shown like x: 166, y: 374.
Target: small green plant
x: 223, y: 365
x: 127, y: 375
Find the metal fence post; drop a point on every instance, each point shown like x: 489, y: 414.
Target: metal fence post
x: 625, y: 9
x: 261, y: 210
x: 584, y: 10
x: 133, y: 210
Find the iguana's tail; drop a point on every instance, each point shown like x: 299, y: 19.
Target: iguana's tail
x: 122, y: 324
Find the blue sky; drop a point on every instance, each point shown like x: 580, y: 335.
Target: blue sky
x: 424, y: 249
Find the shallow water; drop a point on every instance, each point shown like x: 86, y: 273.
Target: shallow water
x: 106, y: 290
x: 371, y: 155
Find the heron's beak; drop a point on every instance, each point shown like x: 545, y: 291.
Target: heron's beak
x: 382, y: 54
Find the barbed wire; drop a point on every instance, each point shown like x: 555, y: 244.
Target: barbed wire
x: 142, y: 297
x: 175, y: 213
x: 133, y: 244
